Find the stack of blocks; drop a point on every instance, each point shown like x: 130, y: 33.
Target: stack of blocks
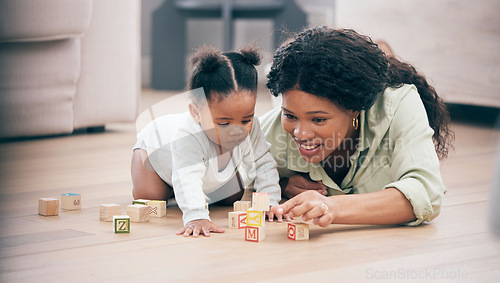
x: 256, y: 218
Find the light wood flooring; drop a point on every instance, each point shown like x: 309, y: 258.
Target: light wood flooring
x: 76, y: 247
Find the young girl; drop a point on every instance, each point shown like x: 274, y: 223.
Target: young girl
x: 214, y: 150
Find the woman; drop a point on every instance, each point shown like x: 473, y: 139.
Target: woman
x: 358, y: 136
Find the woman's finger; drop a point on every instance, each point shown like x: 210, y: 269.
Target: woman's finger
x: 316, y: 211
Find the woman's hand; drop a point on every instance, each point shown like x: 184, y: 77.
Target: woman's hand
x: 309, y: 205
x: 274, y: 211
x: 204, y: 226
x: 302, y: 183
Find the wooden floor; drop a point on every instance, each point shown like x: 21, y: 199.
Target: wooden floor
x: 76, y: 247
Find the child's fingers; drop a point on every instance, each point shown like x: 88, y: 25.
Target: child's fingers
x: 205, y: 231
x: 217, y: 229
x: 180, y: 231
x: 196, y: 231
x: 270, y: 216
x: 188, y: 232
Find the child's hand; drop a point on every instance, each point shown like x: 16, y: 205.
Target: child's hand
x: 278, y: 211
x: 204, y: 226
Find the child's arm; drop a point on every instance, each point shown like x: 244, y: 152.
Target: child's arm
x: 266, y: 175
x: 189, y: 154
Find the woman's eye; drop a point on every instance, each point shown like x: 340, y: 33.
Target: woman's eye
x: 289, y: 116
x: 318, y: 120
x: 223, y: 124
x: 246, y: 121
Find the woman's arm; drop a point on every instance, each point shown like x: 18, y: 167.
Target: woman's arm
x: 388, y: 206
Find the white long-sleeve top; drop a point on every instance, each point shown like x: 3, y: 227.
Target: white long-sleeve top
x: 184, y: 157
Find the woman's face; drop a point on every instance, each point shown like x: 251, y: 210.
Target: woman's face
x: 227, y: 122
x: 316, y: 124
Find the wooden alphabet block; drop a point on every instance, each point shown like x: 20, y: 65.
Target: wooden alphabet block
x: 298, y: 231
x: 138, y: 212
x: 255, y: 234
x: 141, y: 201
x: 108, y: 210
x: 121, y: 224
x: 260, y: 201
x: 237, y: 219
x: 241, y: 205
x: 255, y: 218
x: 48, y: 206
x: 158, y: 208
x: 71, y: 201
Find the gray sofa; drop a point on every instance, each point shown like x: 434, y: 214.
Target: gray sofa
x: 67, y: 64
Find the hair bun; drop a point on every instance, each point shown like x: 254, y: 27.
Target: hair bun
x: 207, y: 59
x: 251, y: 55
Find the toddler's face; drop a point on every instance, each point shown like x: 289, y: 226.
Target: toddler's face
x: 228, y: 121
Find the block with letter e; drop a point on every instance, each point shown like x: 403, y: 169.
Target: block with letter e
x: 237, y: 219
x: 255, y: 233
x: 121, y: 224
x: 298, y: 231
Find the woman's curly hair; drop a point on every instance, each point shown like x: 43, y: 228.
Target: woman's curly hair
x: 350, y: 70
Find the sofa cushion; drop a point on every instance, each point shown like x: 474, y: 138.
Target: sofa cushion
x: 41, y: 20
x: 38, y: 86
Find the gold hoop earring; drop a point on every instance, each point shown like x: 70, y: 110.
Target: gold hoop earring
x: 355, y: 122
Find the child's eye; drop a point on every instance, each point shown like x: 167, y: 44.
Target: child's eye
x: 223, y: 124
x: 246, y: 121
x: 318, y: 120
x: 288, y: 116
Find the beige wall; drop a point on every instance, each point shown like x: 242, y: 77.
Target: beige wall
x: 456, y: 43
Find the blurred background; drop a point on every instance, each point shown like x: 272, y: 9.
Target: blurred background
x: 455, y: 43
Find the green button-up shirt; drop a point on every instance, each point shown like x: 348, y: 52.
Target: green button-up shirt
x: 394, y: 150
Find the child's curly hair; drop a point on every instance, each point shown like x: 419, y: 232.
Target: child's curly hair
x: 219, y: 74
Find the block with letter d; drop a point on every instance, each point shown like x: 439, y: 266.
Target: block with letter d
x: 255, y: 218
x: 255, y: 233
